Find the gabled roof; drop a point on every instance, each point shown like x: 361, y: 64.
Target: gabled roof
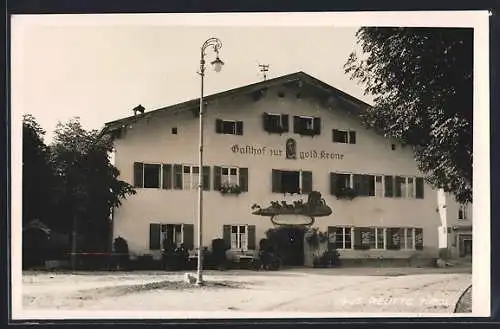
x: 347, y: 100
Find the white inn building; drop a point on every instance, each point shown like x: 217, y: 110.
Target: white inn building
x: 278, y: 140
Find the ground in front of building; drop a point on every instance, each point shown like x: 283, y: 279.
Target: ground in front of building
x: 421, y: 290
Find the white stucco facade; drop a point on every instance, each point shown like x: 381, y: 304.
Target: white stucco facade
x: 151, y: 140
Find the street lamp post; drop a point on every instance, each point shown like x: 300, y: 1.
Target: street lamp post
x: 216, y: 44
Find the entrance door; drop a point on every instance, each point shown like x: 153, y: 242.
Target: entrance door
x: 468, y: 247
x: 290, y: 245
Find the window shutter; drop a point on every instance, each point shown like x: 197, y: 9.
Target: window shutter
x: 188, y: 236
x: 317, y: 126
x: 333, y: 183
x: 177, y: 176
x: 226, y: 235
x: 266, y: 122
x: 371, y: 185
x: 357, y: 238
x: 167, y: 176
x: 218, y: 126
x: 251, y: 237
x: 307, y: 182
x: 276, y: 181
x: 352, y: 137
x: 297, y: 125
x: 217, y: 177
x: 243, y: 179
x: 239, y: 127
x: 138, y: 174
x: 357, y: 184
x: 206, y: 178
x: 284, y: 120
x: 419, y: 239
x: 419, y: 193
x: 389, y: 186
x: 154, y: 237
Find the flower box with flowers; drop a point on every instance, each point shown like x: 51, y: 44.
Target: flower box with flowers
x: 230, y: 189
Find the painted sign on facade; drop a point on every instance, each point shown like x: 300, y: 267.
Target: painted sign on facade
x: 290, y: 152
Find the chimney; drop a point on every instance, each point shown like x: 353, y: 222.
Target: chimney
x: 139, y: 108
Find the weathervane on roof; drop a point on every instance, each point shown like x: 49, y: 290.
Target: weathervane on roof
x: 264, y: 68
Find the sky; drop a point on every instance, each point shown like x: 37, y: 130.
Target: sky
x: 99, y: 72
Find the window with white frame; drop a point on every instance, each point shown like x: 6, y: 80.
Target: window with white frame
x: 379, y: 186
x: 171, y: 234
x: 462, y: 212
x: 410, y: 187
x: 190, y: 177
x: 409, y: 239
x: 239, y: 237
x: 230, y: 176
x: 343, y: 238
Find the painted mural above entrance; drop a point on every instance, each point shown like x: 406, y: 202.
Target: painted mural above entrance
x: 288, y: 152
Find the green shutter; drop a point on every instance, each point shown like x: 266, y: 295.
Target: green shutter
x: 284, y: 119
x: 251, y: 237
x: 219, y: 126
x: 206, y: 178
x: 138, y: 174
x: 307, y: 183
x: 371, y: 185
x: 276, y: 181
x: 297, y: 125
x: 239, y: 127
x: 243, y: 179
x: 389, y: 186
x: 419, y: 239
x: 317, y: 126
x: 154, y: 237
x: 177, y: 176
x: 419, y: 193
x: 352, y: 137
x: 357, y: 184
x: 167, y: 176
x: 266, y: 122
x: 217, y: 177
x: 357, y: 238
x: 188, y: 236
x: 226, y: 235
x: 333, y: 183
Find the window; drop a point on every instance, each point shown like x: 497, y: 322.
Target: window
x: 147, y: 175
x: 275, y: 123
x: 419, y: 188
x: 305, y: 125
x: 162, y: 236
x: 344, y: 136
x: 230, y: 175
x: 174, y: 131
x: 379, y: 186
x: 409, y: 238
x: 239, y: 237
x: 190, y: 177
x: 284, y: 181
x: 229, y: 127
x: 377, y: 238
x: 462, y: 212
x: 399, y: 183
x: 388, y: 186
x: 410, y: 187
x: 342, y: 237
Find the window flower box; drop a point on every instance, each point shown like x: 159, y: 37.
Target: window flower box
x: 230, y: 189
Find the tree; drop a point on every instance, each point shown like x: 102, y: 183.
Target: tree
x: 88, y: 184
x: 422, y: 82
x: 37, y: 173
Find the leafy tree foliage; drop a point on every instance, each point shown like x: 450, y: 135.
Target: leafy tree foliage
x: 37, y: 173
x: 88, y: 184
x: 422, y: 82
